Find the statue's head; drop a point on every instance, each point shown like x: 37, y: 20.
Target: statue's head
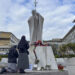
x: 37, y: 14
x: 33, y: 12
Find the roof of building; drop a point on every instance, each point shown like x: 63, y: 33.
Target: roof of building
x: 6, y: 37
x: 9, y: 34
x: 73, y: 28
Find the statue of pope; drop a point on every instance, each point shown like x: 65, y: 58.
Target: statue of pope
x: 35, y: 27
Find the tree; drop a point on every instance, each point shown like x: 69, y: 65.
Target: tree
x: 67, y: 47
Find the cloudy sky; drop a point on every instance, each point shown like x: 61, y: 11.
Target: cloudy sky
x: 58, y: 16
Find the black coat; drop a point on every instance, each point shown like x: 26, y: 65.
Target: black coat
x: 23, y: 46
x: 12, y: 55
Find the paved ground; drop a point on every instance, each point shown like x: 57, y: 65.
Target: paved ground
x: 40, y: 73
x: 71, y: 70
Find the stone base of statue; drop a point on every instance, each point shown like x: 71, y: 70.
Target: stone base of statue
x: 42, y: 61
x: 43, y: 57
x: 52, y: 72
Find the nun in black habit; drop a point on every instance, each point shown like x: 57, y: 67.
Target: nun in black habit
x: 23, y: 61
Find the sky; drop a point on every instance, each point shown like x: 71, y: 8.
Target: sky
x: 58, y: 16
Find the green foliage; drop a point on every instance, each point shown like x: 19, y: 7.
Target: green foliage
x: 3, y: 56
x: 57, y: 56
x: 71, y: 46
x: 65, y: 56
x: 71, y: 55
x: 65, y: 48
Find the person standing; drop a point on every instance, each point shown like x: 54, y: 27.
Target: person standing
x: 23, y: 61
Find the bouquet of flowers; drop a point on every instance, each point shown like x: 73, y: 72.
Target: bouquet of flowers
x: 60, y: 67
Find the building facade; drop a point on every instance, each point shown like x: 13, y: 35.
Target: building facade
x: 70, y: 36
x: 7, y: 39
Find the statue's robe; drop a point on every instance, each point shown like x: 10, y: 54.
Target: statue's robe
x: 36, y: 28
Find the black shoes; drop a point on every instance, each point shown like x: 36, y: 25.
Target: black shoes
x: 3, y: 70
x: 22, y: 71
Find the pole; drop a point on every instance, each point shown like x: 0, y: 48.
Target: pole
x: 35, y: 4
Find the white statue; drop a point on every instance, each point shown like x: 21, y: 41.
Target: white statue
x: 35, y: 26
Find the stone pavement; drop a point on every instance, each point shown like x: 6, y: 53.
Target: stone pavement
x: 41, y: 73
x: 71, y: 70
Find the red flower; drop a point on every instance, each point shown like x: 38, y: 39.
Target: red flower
x: 60, y: 67
x: 39, y: 41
